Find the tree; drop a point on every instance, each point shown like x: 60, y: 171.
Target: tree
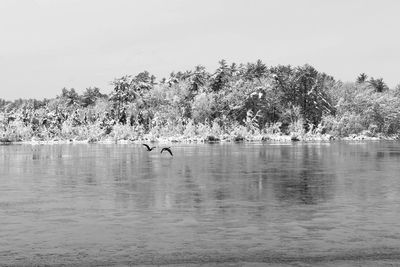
x: 221, y: 76
x: 199, y: 78
x: 233, y: 69
x: 143, y: 81
x: 312, y: 96
x: 121, y: 96
x: 378, y: 84
x: 362, y: 78
x: 396, y: 91
x: 129, y: 90
x: 70, y: 96
x: 90, y: 96
x: 196, y: 78
x: 3, y: 103
x: 172, y: 79
x: 256, y: 70
x: 306, y: 88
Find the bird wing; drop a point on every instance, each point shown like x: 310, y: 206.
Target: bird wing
x: 148, y: 148
x: 166, y: 149
x: 169, y: 150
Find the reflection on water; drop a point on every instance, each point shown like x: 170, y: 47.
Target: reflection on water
x: 119, y: 204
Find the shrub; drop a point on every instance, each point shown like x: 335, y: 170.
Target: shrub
x: 203, y: 107
x: 17, y: 130
x: 190, y: 129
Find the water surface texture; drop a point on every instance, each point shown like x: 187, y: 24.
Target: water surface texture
x: 208, y: 204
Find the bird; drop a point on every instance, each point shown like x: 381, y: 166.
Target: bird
x: 148, y: 148
x: 167, y: 149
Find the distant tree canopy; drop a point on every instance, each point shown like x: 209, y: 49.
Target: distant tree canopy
x: 252, y: 95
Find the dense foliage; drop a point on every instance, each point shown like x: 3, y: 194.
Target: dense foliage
x: 235, y: 101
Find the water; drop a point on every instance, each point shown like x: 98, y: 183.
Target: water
x: 208, y: 204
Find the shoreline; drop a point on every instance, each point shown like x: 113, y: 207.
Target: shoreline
x: 201, y: 140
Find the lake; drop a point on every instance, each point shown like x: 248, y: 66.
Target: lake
x: 247, y: 204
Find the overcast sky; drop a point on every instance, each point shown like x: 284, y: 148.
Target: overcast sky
x: 46, y: 45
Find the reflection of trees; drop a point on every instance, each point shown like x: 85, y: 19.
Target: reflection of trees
x: 134, y: 173
x: 189, y: 192
x: 308, y: 180
x: 223, y: 174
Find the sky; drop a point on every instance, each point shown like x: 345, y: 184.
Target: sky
x: 46, y: 45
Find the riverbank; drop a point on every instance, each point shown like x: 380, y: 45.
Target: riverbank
x: 207, y: 139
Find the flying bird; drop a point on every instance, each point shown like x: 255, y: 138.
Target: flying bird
x: 148, y: 148
x: 166, y: 149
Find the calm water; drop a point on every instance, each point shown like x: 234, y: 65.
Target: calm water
x: 266, y: 203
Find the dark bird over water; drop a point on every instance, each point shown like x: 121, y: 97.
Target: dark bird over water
x: 148, y: 148
x: 167, y: 149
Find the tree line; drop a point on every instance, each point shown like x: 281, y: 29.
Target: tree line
x: 240, y: 100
